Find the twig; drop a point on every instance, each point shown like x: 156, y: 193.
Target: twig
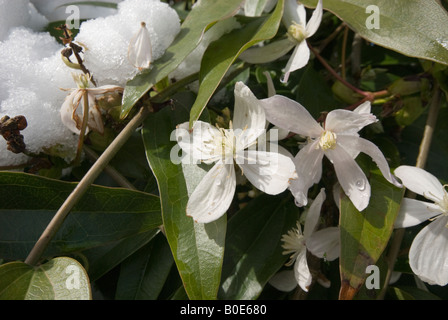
x: 344, y: 53
x: 83, y: 185
x: 111, y: 171
x: 336, y: 75
x: 420, y: 163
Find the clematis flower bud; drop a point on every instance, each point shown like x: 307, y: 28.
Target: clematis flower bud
x: 140, y: 49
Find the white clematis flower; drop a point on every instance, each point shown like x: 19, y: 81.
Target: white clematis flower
x: 270, y: 172
x: 294, y: 18
x: 140, y: 49
x: 428, y: 256
x: 298, y: 31
x: 323, y: 243
x: 72, y: 115
x: 338, y: 140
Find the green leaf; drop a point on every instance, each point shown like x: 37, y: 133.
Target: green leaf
x: 143, y: 275
x: 222, y: 53
x: 103, y: 215
x: 364, y: 235
x: 415, y: 28
x: 197, y: 22
x: 198, y: 249
x: 253, y: 246
x: 104, y: 258
x: 59, y: 279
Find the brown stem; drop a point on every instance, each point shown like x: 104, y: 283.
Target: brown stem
x: 54, y: 225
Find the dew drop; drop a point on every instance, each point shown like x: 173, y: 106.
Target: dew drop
x: 218, y: 182
x: 361, y: 185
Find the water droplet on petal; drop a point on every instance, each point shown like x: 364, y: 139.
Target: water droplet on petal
x: 361, y: 185
x: 218, y: 182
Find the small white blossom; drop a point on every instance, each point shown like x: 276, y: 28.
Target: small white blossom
x: 428, y: 256
x: 337, y: 139
x: 71, y: 112
x: 298, y: 31
x: 270, y: 172
x: 323, y: 243
x: 294, y: 18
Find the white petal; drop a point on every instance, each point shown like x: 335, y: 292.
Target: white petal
x: 428, y: 256
x: 284, y: 281
x: 248, y: 115
x: 350, y: 176
x: 369, y: 148
x: 349, y: 122
x: 313, y: 214
x: 267, y: 53
x: 420, y: 181
x: 302, y: 272
x: 299, y: 58
x: 214, y: 194
x: 314, y: 22
x: 276, y: 134
x: 294, y: 12
x: 364, y: 107
x: 325, y: 243
x: 290, y: 115
x: 308, y: 162
x: 413, y: 212
x: 202, y: 143
x: 140, y: 49
x: 69, y: 108
x: 95, y: 120
x: 270, y: 83
x: 268, y: 171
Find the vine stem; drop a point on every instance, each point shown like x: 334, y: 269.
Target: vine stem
x: 367, y: 95
x: 54, y: 225
x: 82, y: 134
x: 422, y: 157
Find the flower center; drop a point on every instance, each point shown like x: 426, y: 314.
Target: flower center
x: 293, y: 243
x: 296, y: 32
x: 327, y: 140
x: 443, y: 203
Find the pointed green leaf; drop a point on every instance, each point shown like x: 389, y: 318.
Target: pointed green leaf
x: 364, y: 235
x: 143, y: 275
x: 222, y: 53
x: 103, y: 215
x: 200, y: 18
x: 254, y: 246
x: 59, y: 279
x: 104, y: 258
x: 197, y: 248
x: 416, y: 28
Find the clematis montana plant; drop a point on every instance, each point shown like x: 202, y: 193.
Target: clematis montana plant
x: 72, y: 116
x: 337, y: 139
x: 323, y: 243
x: 270, y: 172
x: 428, y: 256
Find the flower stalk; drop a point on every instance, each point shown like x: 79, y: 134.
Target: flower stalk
x: 54, y: 225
